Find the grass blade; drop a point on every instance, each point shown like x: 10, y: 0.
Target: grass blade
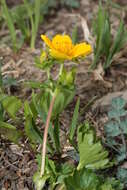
x: 10, y: 24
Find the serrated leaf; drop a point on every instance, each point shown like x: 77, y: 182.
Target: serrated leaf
x: 122, y: 175
x: 111, y: 184
x: 92, y: 154
x: 10, y: 132
x: 112, y: 129
x: 111, y: 141
x: 107, y: 187
x: 116, y: 113
x: 122, y: 154
x: 82, y: 180
x: 123, y: 126
x: 118, y: 103
x: 64, y: 171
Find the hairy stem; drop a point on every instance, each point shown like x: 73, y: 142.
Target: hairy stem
x: 45, y: 136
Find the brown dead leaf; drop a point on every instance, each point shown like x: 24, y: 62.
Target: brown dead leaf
x: 98, y: 73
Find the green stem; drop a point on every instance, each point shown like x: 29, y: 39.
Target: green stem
x: 61, y: 69
x: 48, y: 74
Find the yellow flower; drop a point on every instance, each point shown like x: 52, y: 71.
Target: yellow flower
x: 61, y: 47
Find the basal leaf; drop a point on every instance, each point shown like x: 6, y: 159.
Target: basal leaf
x: 112, y: 129
x: 82, y: 180
x: 40, y: 181
x: 111, y: 184
x: 74, y: 121
x: 116, y: 113
x: 122, y: 154
x: 122, y: 175
x: 118, y: 103
x: 32, y: 131
x: 12, y: 105
x: 123, y: 126
x: 92, y: 154
x: 10, y: 132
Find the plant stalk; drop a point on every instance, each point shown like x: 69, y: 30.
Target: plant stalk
x: 46, y: 135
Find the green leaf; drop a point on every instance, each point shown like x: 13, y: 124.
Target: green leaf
x: 118, y: 103
x: 74, y: 121
x: 10, y: 24
x: 67, y: 78
x: 10, y: 132
x: 122, y: 154
x: 119, y: 41
x: 12, y: 105
x: 100, y: 31
x: 116, y: 128
x: 32, y: 131
x: 92, y: 154
x: 1, y: 112
x: 75, y: 35
x: 63, y: 98
x: 50, y: 170
x: 107, y: 187
x: 39, y: 111
x: 9, y: 81
x: 40, y: 181
x: 82, y: 180
x: 56, y: 134
x: 1, y: 77
x: 112, y: 129
x: 123, y: 126
x: 111, y: 184
x: 122, y: 175
x: 106, y: 37
x: 116, y: 113
x: 64, y: 171
x: 71, y: 3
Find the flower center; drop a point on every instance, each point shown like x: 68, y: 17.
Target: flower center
x: 62, y: 44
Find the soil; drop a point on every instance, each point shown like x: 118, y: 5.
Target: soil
x: 17, y: 164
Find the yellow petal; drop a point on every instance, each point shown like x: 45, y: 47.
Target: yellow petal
x: 63, y: 43
x: 58, y: 55
x: 46, y: 40
x: 81, y: 49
